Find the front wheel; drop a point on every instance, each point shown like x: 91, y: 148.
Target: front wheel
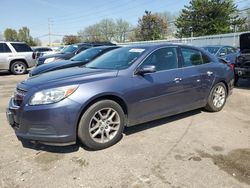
x: 217, y: 98
x: 101, y: 125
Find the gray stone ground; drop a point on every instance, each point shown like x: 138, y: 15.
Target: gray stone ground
x: 194, y: 149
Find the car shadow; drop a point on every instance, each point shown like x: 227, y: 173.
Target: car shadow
x: 8, y: 73
x: 243, y: 84
x: 127, y: 131
x: 53, y: 149
x: 152, y: 124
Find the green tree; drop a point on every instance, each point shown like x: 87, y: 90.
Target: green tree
x: 122, y: 28
x: 71, y: 39
x: 208, y: 17
x: 106, y: 30
x: 151, y: 27
x: 24, y: 36
x: 10, y: 34
x: 246, y: 25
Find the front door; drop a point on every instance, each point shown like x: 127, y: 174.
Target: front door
x: 160, y: 93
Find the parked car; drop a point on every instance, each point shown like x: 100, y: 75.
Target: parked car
x: 69, y: 52
x: 16, y: 57
x: 58, y: 48
x: 78, y: 60
x: 242, y: 63
x: 40, y: 51
x: 220, y: 50
x: 123, y: 87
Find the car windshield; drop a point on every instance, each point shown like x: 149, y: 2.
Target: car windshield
x: 212, y: 50
x: 87, y: 55
x: 117, y: 59
x: 70, y: 49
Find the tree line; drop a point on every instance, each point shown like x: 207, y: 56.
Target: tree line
x: 199, y: 17
x: 22, y: 35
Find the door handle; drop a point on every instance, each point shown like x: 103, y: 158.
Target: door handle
x: 209, y: 73
x: 177, y: 80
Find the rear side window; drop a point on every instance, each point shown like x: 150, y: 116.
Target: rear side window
x: 4, y: 48
x: 192, y: 57
x: 21, y: 47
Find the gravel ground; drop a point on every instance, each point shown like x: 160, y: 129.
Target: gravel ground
x: 194, y: 149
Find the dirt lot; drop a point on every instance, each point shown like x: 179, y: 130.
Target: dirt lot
x: 194, y: 149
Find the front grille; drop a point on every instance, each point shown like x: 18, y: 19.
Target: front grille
x: 19, y: 96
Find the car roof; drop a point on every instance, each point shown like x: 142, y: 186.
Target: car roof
x: 94, y: 43
x: 153, y: 45
x: 12, y: 42
x: 104, y: 47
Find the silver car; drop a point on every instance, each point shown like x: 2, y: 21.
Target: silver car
x: 16, y: 57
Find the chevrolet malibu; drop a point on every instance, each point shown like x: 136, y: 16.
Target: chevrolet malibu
x: 124, y: 87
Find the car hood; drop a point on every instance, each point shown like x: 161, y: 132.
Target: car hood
x: 58, y: 55
x: 245, y: 42
x: 55, y: 65
x: 75, y: 75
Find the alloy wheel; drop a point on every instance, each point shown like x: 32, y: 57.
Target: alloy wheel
x: 219, y: 96
x: 104, y: 125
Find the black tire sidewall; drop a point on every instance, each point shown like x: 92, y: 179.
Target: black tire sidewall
x: 18, y: 62
x: 210, y: 105
x: 83, y: 128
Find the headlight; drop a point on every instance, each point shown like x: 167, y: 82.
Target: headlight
x: 53, y: 95
x: 49, y: 60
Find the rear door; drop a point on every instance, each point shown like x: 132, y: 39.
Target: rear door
x: 5, y: 52
x: 196, y: 76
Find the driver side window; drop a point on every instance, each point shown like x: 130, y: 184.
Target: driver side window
x: 163, y: 59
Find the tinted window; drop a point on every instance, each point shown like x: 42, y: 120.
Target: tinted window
x: 231, y: 50
x: 87, y: 54
x: 206, y: 59
x: 21, y: 47
x: 223, y: 51
x: 81, y: 49
x: 117, y: 59
x: 191, y: 57
x: 212, y: 50
x: 70, y: 49
x: 4, y: 48
x: 163, y: 59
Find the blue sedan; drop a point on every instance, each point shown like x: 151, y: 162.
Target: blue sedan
x: 123, y: 87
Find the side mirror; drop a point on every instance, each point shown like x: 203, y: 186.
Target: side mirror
x: 146, y: 69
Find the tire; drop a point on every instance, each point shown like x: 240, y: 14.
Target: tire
x: 217, y: 98
x: 18, y: 68
x: 96, y: 124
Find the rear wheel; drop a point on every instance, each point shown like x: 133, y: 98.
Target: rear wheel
x: 101, y: 125
x: 217, y: 98
x: 18, y: 67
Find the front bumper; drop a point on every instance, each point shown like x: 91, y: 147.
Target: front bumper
x: 53, y: 124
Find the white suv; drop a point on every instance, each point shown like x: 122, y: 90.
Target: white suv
x: 16, y: 57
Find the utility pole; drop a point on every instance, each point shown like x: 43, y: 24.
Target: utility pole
x: 49, y: 30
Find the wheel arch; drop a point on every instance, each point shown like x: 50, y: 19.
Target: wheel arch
x: 14, y: 60
x: 225, y: 83
x: 119, y: 100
